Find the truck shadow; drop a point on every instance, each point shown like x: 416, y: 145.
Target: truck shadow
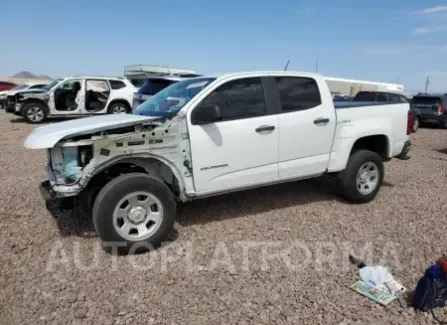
x: 443, y: 151
x: 260, y: 200
x: 49, y: 121
x: 74, y: 222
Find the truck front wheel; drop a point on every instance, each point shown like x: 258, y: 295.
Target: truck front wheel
x: 134, y: 211
x: 362, y: 178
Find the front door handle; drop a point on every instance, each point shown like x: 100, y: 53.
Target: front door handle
x: 265, y: 128
x: 321, y: 121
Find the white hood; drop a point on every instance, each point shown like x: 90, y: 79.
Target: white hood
x: 47, y: 136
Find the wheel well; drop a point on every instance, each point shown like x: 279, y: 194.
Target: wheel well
x: 121, y: 101
x: 33, y: 101
x: 150, y: 166
x: 375, y: 143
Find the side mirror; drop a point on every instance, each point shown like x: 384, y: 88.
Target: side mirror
x: 205, y: 114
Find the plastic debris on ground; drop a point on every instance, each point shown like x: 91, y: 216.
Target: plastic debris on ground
x: 377, y: 283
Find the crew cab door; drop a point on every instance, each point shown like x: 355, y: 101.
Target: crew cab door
x: 307, y: 123
x: 241, y: 149
x: 68, y: 98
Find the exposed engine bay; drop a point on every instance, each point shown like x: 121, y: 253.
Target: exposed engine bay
x: 158, y: 147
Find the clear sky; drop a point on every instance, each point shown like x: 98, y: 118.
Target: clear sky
x: 381, y: 40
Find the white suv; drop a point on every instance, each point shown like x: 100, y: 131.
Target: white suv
x: 77, y: 96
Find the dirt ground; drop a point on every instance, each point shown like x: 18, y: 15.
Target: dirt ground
x: 275, y: 255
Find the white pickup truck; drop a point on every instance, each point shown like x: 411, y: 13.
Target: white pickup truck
x: 213, y: 135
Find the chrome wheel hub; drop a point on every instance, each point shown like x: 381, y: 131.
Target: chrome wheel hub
x: 137, y: 215
x: 367, y: 178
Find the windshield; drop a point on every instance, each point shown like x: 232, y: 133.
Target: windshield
x: 24, y: 86
x: 170, y: 100
x: 51, y: 84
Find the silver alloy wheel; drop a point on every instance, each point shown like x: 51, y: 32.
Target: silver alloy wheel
x: 35, y: 113
x: 119, y: 109
x: 137, y: 216
x: 367, y: 178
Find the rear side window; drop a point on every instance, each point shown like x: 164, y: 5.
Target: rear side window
x: 297, y: 93
x: 116, y: 84
x: 427, y: 100
x: 393, y: 98
x: 153, y: 86
x: 365, y: 96
x: 382, y: 97
x: 238, y: 99
x: 403, y: 99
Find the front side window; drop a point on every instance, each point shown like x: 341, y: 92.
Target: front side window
x: 238, y: 99
x: 298, y: 93
x: 171, y: 99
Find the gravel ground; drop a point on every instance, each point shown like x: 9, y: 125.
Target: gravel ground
x: 295, y: 271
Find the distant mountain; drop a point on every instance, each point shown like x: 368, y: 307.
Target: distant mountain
x: 29, y: 75
x: 24, y: 74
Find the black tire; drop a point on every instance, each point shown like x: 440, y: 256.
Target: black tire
x: 444, y: 124
x: 117, y: 189
x: 347, y: 179
x: 115, y: 105
x: 416, y: 124
x: 28, y: 116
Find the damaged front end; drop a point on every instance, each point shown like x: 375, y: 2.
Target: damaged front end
x: 84, y: 158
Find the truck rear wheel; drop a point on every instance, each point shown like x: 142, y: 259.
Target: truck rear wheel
x: 362, y: 178
x: 134, y: 211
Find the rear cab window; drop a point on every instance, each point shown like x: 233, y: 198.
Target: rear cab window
x: 365, y: 96
x: 298, y: 93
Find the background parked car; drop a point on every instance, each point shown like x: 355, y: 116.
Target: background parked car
x: 432, y: 108
x: 78, y: 96
x: 390, y: 97
x: 11, y: 95
x: 6, y: 85
x: 151, y: 87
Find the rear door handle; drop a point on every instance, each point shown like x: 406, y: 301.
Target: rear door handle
x: 265, y: 128
x: 321, y: 121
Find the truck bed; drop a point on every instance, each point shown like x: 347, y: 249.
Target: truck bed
x: 352, y: 104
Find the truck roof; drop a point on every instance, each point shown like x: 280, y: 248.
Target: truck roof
x: 268, y: 73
